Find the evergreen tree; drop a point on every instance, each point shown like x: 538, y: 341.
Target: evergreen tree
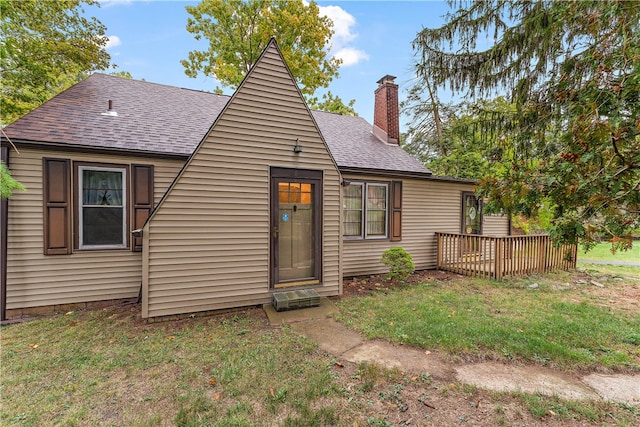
x: 572, y: 71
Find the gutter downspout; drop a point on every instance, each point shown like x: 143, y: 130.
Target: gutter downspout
x: 4, y: 226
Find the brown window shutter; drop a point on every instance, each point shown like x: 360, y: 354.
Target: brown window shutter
x: 57, y: 205
x: 396, y: 211
x: 142, y: 194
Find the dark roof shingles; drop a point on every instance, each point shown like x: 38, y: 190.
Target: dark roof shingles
x: 151, y: 117
x: 353, y: 145
x: 164, y: 119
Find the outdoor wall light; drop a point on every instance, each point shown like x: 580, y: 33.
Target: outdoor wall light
x: 297, y: 148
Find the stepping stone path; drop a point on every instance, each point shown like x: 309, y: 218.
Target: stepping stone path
x: 337, y: 339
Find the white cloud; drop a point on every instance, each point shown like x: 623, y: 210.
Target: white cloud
x: 344, y: 35
x: 342, y: 23
x: 351, y: 56
x: 109, y: 3
x: 112, y: 41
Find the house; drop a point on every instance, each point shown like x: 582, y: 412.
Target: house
x: 198, y: 201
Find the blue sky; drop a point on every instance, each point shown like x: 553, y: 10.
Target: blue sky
x: 148, y: 39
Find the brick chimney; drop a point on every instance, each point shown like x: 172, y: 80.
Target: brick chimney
x: 386, y: 116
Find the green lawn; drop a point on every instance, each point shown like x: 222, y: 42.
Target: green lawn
x: 554, y: 322
x: 108, y: 367
x: 602, y: 252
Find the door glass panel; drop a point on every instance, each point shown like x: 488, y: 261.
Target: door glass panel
x: 472, y: 215
x: 295, y: 231
x: 294, y: 192
x: 283, y: 192
x: 305, y: 194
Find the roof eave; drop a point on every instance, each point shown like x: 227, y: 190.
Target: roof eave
x: 60, y: 146
x: 406, y: 174
x: 384, y: 172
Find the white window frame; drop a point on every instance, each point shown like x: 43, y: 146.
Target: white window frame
x: 364, y: 235
x: 386, y: 210
x: 81, y: 205
x: 362, y: 210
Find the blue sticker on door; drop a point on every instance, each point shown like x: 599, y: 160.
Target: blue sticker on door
x: 285, y: 217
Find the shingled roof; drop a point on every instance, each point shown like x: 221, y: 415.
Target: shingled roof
x: 166, y: 120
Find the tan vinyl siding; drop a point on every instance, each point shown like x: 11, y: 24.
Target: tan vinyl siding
x: 208, y: 243
x: 427, y: 207
x: 495, y: 225
x: 35, y: 279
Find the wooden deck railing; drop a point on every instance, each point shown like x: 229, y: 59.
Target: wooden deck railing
x: 497, y: 257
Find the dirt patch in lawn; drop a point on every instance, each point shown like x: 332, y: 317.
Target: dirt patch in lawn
x: 605, y: 289
x: 365, y: 285
x: 626, y: 298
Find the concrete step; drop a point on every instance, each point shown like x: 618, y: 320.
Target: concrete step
x: 291, y: 300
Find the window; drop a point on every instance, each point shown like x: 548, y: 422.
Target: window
x: 352, y: 210
x: 294, y: 192
x: 365, y: 210
x: 376, y: 210
x: 102, y: 207
x: 94, y: 206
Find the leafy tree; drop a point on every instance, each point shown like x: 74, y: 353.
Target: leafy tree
x: 238, y: 31
x: 123, y: 74
x: 454, y: 139
x: 425, y: 130
x: 333, y: 104
x: 44, y: 47
x: 572, y: 71
x: 7, y: 183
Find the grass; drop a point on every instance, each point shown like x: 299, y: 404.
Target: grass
x: 101, y: 368
x: 619, y: 271
x: 108, y: 367
x: 602, y: 252
x: 506, y: 320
